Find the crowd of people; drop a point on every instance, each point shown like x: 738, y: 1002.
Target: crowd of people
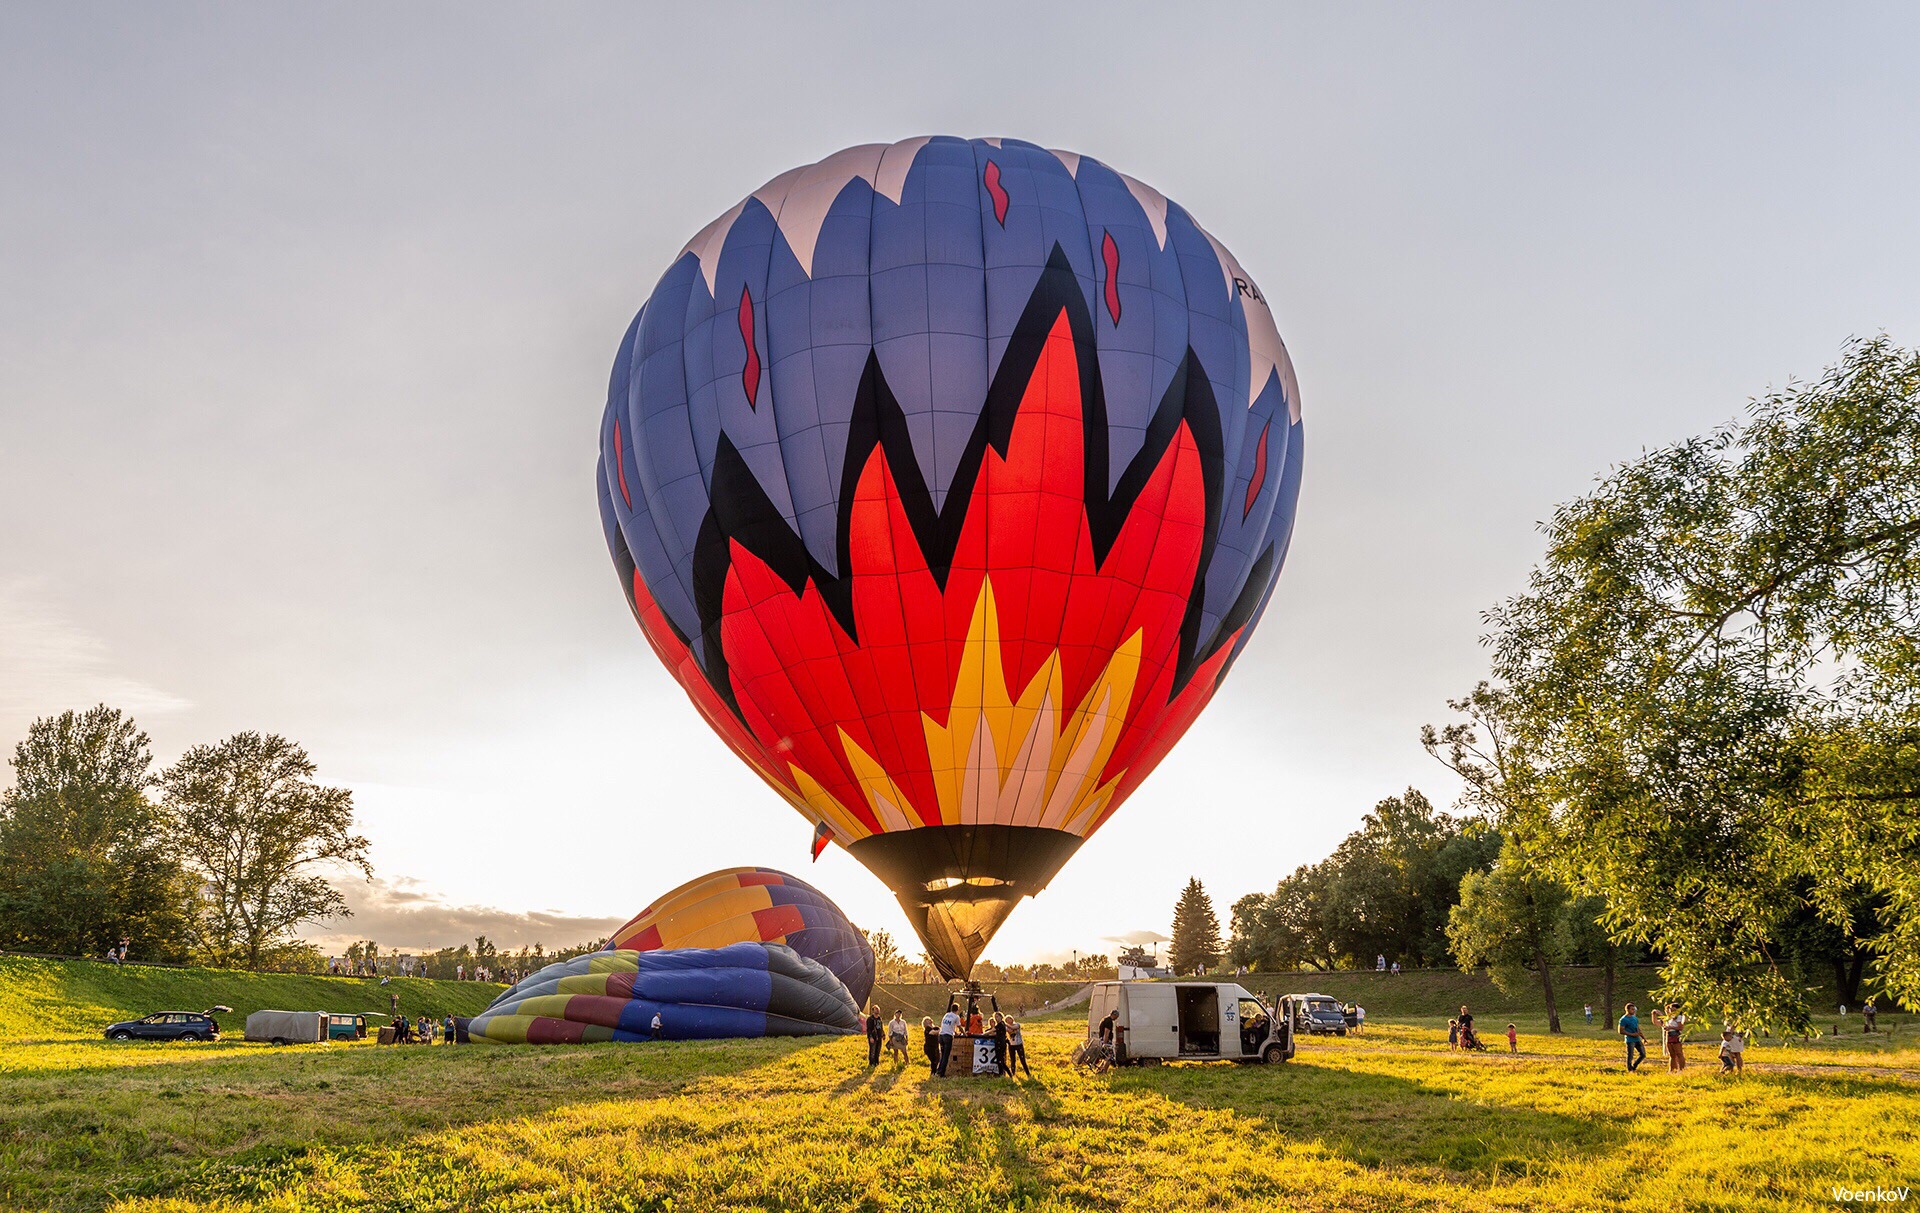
x: 408, y: 966
x: 938, y: 1040
x: 1671, y: 1024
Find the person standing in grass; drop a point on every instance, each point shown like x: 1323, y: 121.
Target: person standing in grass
x: 1636, y: 1043
x: 1867, y: 1013
x: 446, y: 1030
x: 897, y: 1037
x: 1513, y: 1039
x: 1589, y: 1010
x: 1453, y: 1035
x: 874, y: 1031
x: 1675, y: 1027
x: 1001, y: 1044
x: 1017, y: 1042
x: 930, y: 1041
x: 1736, y: 1047
x: 949, y: 1024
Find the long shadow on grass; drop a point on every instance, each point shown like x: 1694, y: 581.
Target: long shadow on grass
x: 98, y: 1133
x: 1377, y: 1120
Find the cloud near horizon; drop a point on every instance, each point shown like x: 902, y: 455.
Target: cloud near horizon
x: 48, y: 663
x: 399, y: 915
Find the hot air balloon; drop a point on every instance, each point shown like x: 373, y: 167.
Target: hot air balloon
x: 948, y: 478
x: 754, y: 905
x: 744, y: 989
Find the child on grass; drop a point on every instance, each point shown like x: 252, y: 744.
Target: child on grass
x: 1513, y: 1039
x: 1453, y: 1034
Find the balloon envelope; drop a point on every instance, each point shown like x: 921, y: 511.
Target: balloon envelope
x: 948, y: 478
x: 744, y: 989
x: 756, y: 905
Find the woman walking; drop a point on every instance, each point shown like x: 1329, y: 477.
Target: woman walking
x: 874, y: 1030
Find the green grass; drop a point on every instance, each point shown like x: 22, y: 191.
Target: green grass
x: 1389, y: 1120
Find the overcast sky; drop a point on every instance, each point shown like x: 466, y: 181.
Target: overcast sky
x: 306, y: 314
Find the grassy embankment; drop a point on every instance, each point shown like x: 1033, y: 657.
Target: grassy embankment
x: 1387, y: 1121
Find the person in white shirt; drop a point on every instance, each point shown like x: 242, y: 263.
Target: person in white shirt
x: 949, y: 1024
x: 657, y: 1025
x: 1735, y: 1044
x: 1359, y: 1018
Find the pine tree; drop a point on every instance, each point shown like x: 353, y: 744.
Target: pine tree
x: 1196, y: 930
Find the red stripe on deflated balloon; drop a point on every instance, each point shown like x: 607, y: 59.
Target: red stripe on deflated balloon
x: 776, y: 922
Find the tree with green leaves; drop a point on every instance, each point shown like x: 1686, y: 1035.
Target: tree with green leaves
x: 1708, y: 696
x: 262, y: 836
x: 85, y: 858
x: 1196, y: 931
x: 889, y: 962
x: 1510, y: 921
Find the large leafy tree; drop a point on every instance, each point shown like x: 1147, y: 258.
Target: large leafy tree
x: 1709, y: 694
x: 1196, y: 930
x: 84, y: 855
x: 1385, y: 890
x: 262, y: 836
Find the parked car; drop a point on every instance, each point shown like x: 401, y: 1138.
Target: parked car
x: 169, y: 1025
x: 1319, y: 1015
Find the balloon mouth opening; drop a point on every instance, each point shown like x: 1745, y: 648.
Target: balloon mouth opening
x: 954, y: 885
x: 939, y: 874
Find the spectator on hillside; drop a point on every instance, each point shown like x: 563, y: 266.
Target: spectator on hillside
x: 1636, y: 1043
x: 1675, y: 1028
x: 1016, y: 1041
x: 875, y: 1030
x: 393, y: 1003
x: 897, y: 1036
x: 930, y: 1041
x: 124, y: 941
x: 1380, y: 963
x: 1394, y: 968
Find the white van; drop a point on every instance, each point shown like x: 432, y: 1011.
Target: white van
x: 1193, y: 1021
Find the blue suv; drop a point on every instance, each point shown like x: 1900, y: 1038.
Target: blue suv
x: 169, y: 1025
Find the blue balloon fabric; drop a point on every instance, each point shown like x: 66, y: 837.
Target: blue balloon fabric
x: 744, y: 989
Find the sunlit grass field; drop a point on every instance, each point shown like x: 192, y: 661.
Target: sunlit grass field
x: 1387, y: 1120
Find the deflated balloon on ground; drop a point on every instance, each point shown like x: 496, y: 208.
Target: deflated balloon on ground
x: 744, y: 989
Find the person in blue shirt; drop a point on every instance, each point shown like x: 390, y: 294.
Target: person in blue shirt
x: 1636, y: 1043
